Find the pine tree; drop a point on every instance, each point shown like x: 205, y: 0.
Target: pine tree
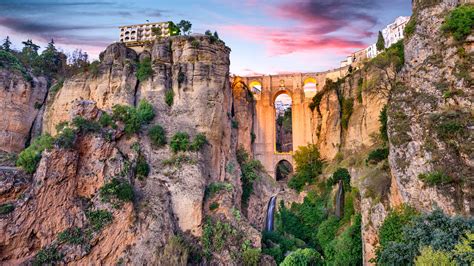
x: 380, y: 42
x: 6, y: 44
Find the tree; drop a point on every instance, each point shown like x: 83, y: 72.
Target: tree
x: 208, y: 33
x: 7, y: 44
x: 216, y: 35
x: 185, y: 26
x: 51, y: 59
x: 380, y: 42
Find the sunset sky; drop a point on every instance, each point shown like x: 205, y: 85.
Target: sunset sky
x: 266, y: 37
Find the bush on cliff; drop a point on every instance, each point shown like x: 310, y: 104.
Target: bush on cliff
x: 47, y: 256
x: 143, y: 169
x: 305, y: 256
x: 179, y: 142
x: 309, y: 166
x: 435, y: 229
x: 435, y: 178
x: 133, y: 118
x: 116, y: 191
x: 144, y: 69
x: 198, y: 142
x: 460, y: 22
x: 250, y: 173
x: 157, y: 136
x: 377, y: 155
x: 29, y: 158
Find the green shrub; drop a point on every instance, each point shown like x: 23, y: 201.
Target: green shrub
x: 214, y: 188
x: 428, y: 256
x: 215, y: 235
x: 234, y: 123
x: 145, y: 111
x: 360, y: 87
x: 143, y: 169
x: 198, y: 142
x: 6, y: 208
x: 106, y: 120
x: 392, y: 226
x: 327, y: 232
x: 377, y: 155
x: 348, y: 246
x: 73, y: 236
x: 195, y: 43
x: 47, y: 256
x: 253, y: 137
x: 383, y: 118
x: 169, y: 97
x: 66, y: 138
x: 309, y: 165
x: 346, y: 113
x: 157, y: 136
x: 85, y: 125
x: 144, y: 70
x: 250, y: 173
x: 213, y: 206
x: 178, y: 159
x: 460, y: 22
x: 435, y: 178
x: 410, y: 27
x: 340, y: 174
x: 116, y: 190
x: 179, y: 142
x: 251, y: 256
x: 29, y: 158
x: 449, y: 129
x: 133, y: 118
x: 305, y: 256
x: 464, y: 250
x: 99, y: 219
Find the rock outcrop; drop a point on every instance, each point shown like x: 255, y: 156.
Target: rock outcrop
x: 20, y: 104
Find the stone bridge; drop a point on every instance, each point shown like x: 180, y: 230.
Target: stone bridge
x: 301, y: 87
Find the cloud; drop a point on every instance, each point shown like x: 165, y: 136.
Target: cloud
x: 286, y: 41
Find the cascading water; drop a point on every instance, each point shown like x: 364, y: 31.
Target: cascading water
x: 270, y: 214
x: 340, y: 200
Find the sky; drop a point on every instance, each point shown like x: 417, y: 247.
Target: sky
x: 266, y: 37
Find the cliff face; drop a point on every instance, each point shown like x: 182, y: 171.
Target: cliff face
x: 433, y: 98
x: 171, y: 200
x: 20, y: 104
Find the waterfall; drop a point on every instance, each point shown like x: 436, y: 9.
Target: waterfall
x: 270, y: 214
x: 340, y: 200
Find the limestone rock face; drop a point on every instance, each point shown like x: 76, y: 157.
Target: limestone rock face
x: 244, y: 113
x: 114, y: 83
x: 19, y: 106
x: 328, y: 129
x: 433, y: 94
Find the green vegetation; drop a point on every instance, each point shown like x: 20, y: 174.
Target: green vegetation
x: 65, y: 138
x: 392, y: 227
x: 157, y: 136
x: 377, y: 155
x: 347, y: 109
x: 234, y: 123
x: 178, y: 159
x: 435, y: 178
x: 116, y: 191
x: 360, y: 88
x: 250, y: 173
x: 410, y: 27
x: 460, y: 22
x: 47, y: 256
x: 309, y: 165
x: 251, y: 256
x: 169, y: 97
x: 133, y: 118
x: 179, y: 142
x: 185, y: 26
x: 99, y: 219
x: 143, y: 169
x: 340, y: 174
x: 214, y: 188
x: 6, y: 208
x: 198, y: 142
x: 436, y: 230
x: 393, y: 56
x: 106, y: 120
x: 144, y: 69
x: 195, y: 44
x: 380, y: 42
x: 428, y: 256
x: 213, y: 206
x: 29, y: 158
x: 305, y: 256
x: 85, y: 126
x: 383, y: 119
x: 73, y: 236
x: 215, y: 235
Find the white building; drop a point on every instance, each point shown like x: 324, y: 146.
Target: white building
x: 371, y: 51
x: 394, y: 32
x: 133, y: 35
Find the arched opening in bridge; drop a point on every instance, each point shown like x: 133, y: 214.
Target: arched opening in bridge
x: 283, y: 170
x: 283, y: 124
x: 309, y: 86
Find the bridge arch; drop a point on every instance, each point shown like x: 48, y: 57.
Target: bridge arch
x: 283, y: 170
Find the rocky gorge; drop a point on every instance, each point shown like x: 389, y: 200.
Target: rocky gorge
x: 137, y: 159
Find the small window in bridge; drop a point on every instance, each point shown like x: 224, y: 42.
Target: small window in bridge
x: 283, y: 127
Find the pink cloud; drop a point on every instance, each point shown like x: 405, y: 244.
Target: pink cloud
x: 292, y: 40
